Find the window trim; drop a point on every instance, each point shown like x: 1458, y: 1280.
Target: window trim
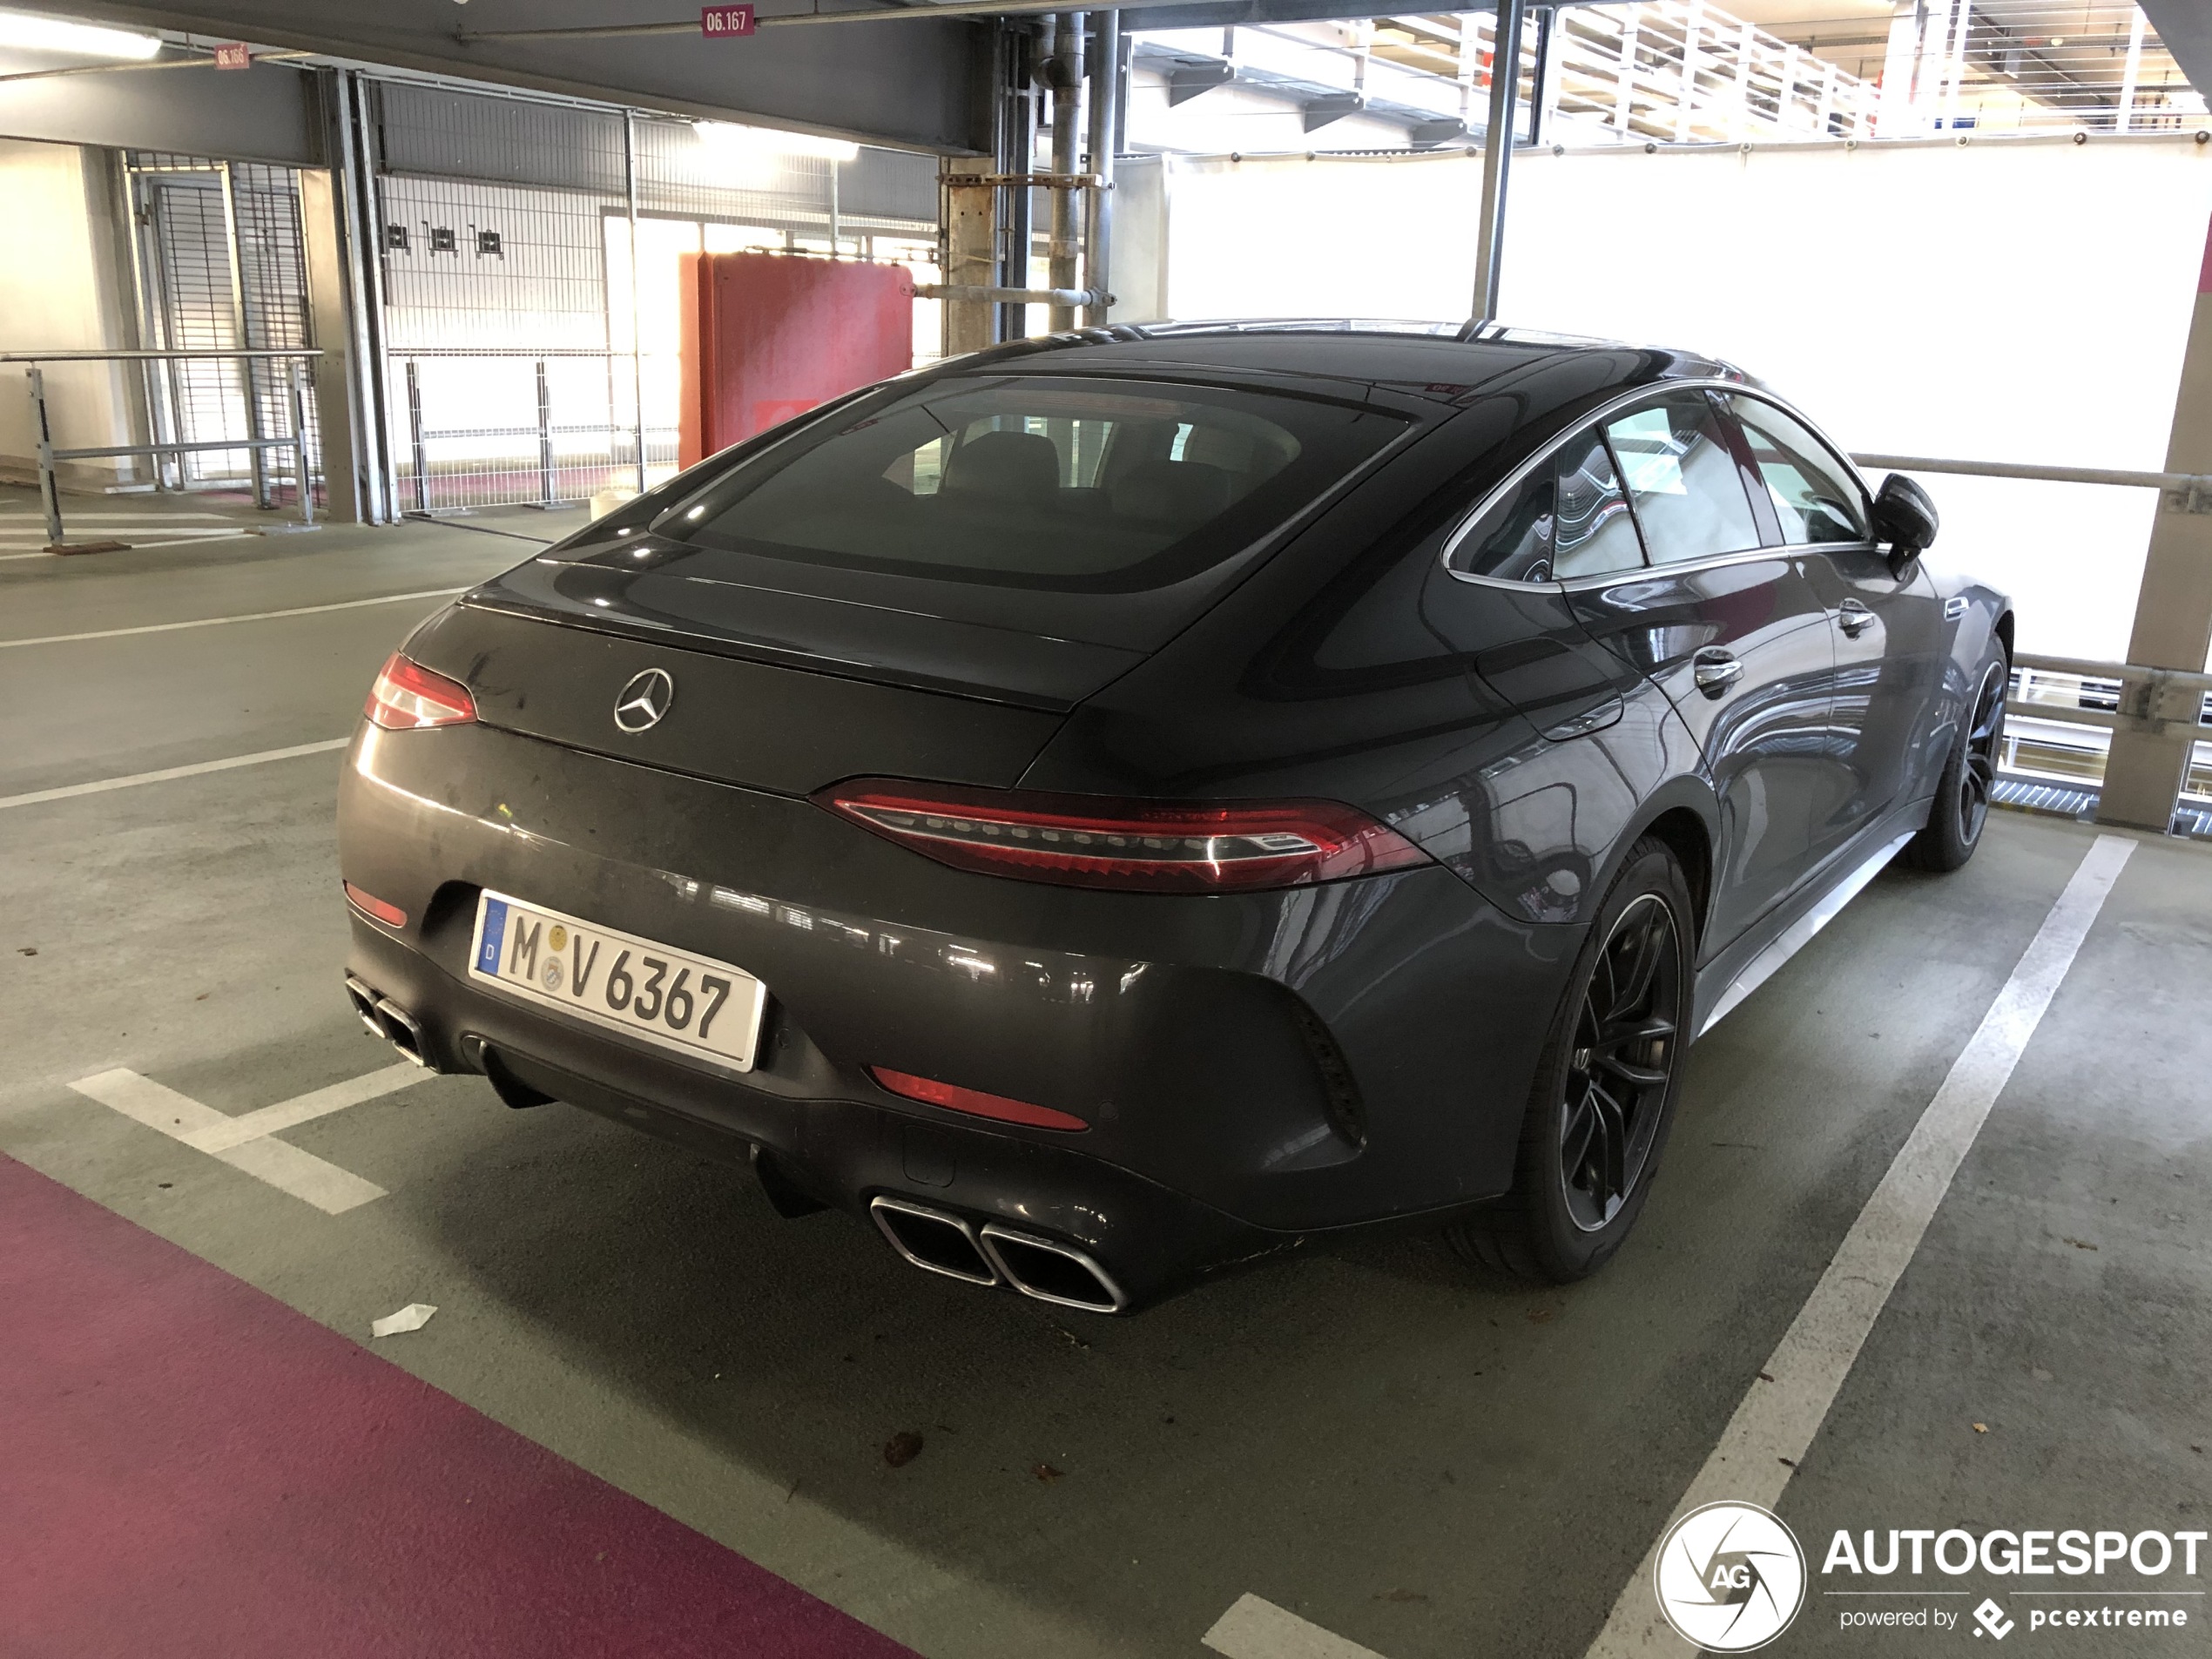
x: 1848, y: 467
x: 1614, y: 406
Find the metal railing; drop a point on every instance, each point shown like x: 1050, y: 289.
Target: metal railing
x: 2080, y: 694
x: 42, y: 426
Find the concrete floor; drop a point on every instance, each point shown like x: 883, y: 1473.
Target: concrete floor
x: 1422, y: 1459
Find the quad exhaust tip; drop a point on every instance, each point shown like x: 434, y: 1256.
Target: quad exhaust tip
x: 1042, y: 1269
x: 386, y: 1019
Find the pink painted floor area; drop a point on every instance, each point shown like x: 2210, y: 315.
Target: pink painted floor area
x: 188, y: 1467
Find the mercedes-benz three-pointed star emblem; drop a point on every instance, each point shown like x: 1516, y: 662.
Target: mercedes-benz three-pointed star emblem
x: 644, y: 702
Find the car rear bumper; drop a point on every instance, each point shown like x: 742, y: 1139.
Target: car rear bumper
x: 1254, y: 1068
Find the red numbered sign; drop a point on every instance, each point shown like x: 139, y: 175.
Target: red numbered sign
x: 720, y: 23
x: 234, y: 55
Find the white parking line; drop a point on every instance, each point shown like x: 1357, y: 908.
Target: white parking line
x: 101, y: 785
x: 243, y: 1141
x: 142, y: 540
x: 1777, y: 1420
x: 218, y: 622
x: 1256, y: 1629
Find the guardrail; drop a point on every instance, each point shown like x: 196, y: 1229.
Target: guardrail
x: 2143, y: 696
x: 49, y: 490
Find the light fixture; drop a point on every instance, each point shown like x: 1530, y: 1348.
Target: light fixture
x: 24, y: 32
x: 728, y: 138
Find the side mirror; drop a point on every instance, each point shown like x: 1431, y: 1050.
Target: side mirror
x: 1905, y: 518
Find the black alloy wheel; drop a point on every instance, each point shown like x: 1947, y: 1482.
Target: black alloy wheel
x: 1618, y: 1074
x: 1605, y: 1086
x: 1963, y: 793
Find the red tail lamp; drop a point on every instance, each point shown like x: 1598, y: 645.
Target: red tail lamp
x: 408, y: 696
x: 973, y: 1101
x: 1140, y: 846
x: 369, y: 905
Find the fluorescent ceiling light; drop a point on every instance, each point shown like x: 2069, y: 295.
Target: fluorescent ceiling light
x: 27, y: 33
x: 728, y: 138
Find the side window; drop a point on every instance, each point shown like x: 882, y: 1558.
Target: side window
x: 1593, y: 534
x: 1813, y: 496
x: 1513, y: 541
x: 1683, y: 480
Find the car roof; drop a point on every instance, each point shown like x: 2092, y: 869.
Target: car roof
x: 1447, y: 360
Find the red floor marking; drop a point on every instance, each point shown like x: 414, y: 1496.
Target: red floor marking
x: 188, y: 1467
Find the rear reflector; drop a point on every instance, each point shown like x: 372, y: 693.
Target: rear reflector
x: 974, y: 1101
x: 390, y: 914
x: 408, y: 696
x: 1146, y: 847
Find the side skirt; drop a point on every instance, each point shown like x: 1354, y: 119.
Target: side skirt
x: 1724, y: 984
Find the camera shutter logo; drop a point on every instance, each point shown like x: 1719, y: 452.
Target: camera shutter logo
x: 1729, y: 1577
x: 645, y: 700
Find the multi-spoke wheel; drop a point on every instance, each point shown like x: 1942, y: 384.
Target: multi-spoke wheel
x: 1961, y: 806
x: 1605, y: 1086
x: 1621, y: 1064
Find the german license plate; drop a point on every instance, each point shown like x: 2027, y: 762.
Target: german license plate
x: 691, y: 1004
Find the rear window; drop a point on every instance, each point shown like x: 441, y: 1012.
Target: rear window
x: 1024, y: 480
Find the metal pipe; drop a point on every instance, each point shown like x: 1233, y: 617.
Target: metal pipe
x: 2125, y: 672
x: 636, y: 327
x: 1497, y: 155
x: 126, y: 356
x: 1071, y: 299
x: 1062, y: 251
x: 414, y: 436
x: 544, y: 438
x: 1105, y: 123
x: 2181, y: 481
x: 305, y: 484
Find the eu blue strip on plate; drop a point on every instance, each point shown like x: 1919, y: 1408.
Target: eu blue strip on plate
x: 495, y: 935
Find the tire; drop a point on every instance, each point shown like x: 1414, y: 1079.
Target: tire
x: 1605, y: 1086
x: 1961, y: 809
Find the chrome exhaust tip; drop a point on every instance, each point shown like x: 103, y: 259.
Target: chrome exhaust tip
x: 364, y: 1002
x: 934, y: 1241
x: 399, y: 1028
x: 1050, y: 1272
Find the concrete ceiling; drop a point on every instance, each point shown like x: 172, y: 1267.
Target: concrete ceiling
x: 923, y: 84
x: 2186, y: 27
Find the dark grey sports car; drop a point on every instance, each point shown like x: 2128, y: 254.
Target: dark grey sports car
x: 1114, y: 804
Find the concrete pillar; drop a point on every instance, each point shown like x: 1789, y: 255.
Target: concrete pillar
x: 330, y: 325
x: 970, y: 251
x: 2150, y: 747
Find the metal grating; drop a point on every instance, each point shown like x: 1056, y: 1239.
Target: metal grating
x: 221, y: 267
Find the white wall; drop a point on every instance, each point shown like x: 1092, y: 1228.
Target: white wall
x: 2008, y: 301
x: 58, y: 290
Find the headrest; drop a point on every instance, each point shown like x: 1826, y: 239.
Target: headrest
x: 1012, y: 466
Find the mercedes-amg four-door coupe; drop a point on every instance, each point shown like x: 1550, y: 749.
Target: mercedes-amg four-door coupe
x: 1114, y: 804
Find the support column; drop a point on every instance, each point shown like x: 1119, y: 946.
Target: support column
x: 1497, y: 155
x: 329, y: 323
x: 968, y: 199
x: 1105, y: 126
x: 2158, y: 725
x: 1066, y: 128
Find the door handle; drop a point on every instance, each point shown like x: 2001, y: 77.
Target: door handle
x: 1715, y: 670
x: 1854, y: 617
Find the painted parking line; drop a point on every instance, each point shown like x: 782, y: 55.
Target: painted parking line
x: 140, y: 540
x: 245, y: 1142
x: 131, y: 781
x: 1256, y: 1629
x: 1775, y: 1424
x: 219, y: 621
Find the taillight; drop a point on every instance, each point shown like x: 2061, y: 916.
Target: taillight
x: 1145, y: 847
x: 974, y: 1101
x: 408, y: 695
x: 369, y: 905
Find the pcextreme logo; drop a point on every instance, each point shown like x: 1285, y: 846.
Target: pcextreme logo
x: 1729, y: 1577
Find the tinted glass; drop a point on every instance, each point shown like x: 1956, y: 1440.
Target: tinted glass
x: 1811, y: 492
x: 1035, y: 482
x: 1513, y: 540
x: 1595, y: 534
x: 1683, y: 480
